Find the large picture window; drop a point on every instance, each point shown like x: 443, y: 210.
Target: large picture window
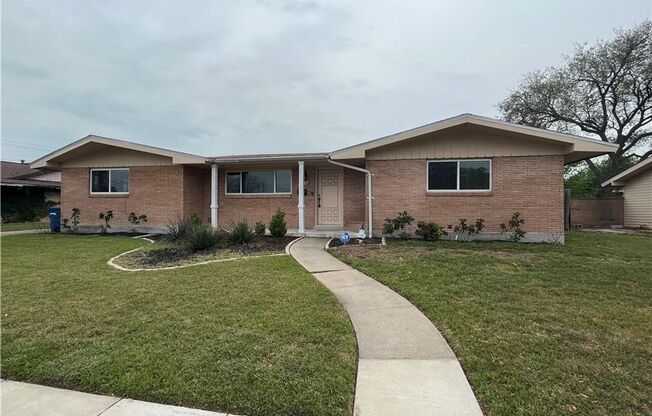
x: 259, y: 182
x: 110, y: 181
x: 459, y: 175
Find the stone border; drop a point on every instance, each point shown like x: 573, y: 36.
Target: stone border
x: 111, y: 261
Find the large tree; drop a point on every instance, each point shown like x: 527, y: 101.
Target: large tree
x: 604, y: 90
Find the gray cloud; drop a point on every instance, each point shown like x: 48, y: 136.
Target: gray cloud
x: 235, y: 77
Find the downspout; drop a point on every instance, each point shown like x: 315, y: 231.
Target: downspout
x: 369, y: 192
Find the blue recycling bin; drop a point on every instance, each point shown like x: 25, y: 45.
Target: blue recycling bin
x: 55, y: 219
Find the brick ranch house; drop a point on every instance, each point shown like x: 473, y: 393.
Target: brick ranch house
x: 462, y: 167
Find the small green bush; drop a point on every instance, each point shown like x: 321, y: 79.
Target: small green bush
x: 277, y: 226
x: 241, y: 232
x: 199, y: 237
x: 513, y: 227
x: 259, y: 228
x: 135, y: 220
x: 464, y: 231
x: 178, y: 230
x: 195, y: 219
x: 430, y: 231
x: 402, y: 220
x: 106, y: 217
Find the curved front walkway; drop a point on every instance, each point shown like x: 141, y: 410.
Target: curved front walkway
x: 405, y: 365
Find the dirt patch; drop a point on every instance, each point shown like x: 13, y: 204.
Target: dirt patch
x: 408, y: 253
x: 335, y: 242
x: 503, y: 255
x: 166, y: 254
x: 382, y: 252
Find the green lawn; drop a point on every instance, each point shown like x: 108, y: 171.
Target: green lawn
x: 20, y: 226
x: 539, y: 329
x: 253, y: 337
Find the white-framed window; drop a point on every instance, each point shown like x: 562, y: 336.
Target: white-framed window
x: 276, y: 181
x: 463, y: 175
x: 110, y: 181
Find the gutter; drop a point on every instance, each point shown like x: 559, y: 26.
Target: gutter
x: 369, y: 190
x: 265, y: 158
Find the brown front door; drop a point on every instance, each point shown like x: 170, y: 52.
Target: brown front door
x: 329, y: 202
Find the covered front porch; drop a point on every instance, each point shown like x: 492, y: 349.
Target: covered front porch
x: 320, y: 197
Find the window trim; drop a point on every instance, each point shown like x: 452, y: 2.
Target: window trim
x: 226, y: 182
x: 90, y: 181
x: 458, y: 190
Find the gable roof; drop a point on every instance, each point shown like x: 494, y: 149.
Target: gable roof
x: 625, y: 175
x: 51, y: 159
x: 579, y: 147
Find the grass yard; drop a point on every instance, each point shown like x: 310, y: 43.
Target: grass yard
x: 252, y: 337
x: 539, y: 329
x: 20, y: 226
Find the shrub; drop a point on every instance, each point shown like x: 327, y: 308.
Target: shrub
x: 178, y: 230
x: 404, y: 235
x: 277, y: 226
x: 135, y: 220
x: 241, y: 232
x: 513, y: 226
x: 464, y: 230
x: 259, y: 228
x: 199, y: 237
x: 195, y: 219
x: 106, y: 216
x: 430, y: 231
x: 388, y: 227
x: 398, y: 224
x: 74, y: 220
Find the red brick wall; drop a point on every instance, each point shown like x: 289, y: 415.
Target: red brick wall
x: 196, y: 192
x: 156, y: 191
x: 355, y: 202
x: 233, y: 208
x: 531, y: 185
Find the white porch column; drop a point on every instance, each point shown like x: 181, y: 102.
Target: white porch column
x: 370, y: 206
x: 214, y: 186
x: 301, y: 199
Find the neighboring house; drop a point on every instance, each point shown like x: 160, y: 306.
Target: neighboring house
x: 462, y: 167
x: 26, y: 192
x: 637, y: 193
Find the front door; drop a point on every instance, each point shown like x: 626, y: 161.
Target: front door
x: 329, y: 200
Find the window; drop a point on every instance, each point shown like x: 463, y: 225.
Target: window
x: 109, y: 181
x: 459, y: 175
x: 259, y: 182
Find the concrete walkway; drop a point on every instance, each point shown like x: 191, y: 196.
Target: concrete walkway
x: 24, y: 399
x: 405, y: 365
x: 8, y: 233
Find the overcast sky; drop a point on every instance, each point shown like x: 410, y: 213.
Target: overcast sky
x: 216, y: 78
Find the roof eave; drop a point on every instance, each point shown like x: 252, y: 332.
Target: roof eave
x: 265, y: 158
x: 622, y: 177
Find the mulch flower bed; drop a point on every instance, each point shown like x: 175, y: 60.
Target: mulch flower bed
x: 335, y: 242
x: 173, y: 255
